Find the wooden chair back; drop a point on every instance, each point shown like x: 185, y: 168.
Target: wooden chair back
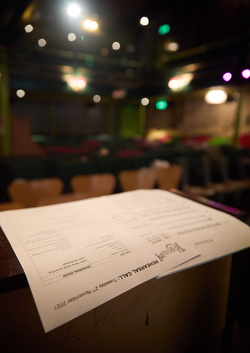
x: 69, y: 197
x: 168, y: 178
x: 29, y: 192
x: 12, y: 205
x: 99, y: 184
x: 144, y: 178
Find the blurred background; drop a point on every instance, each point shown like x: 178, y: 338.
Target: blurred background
x: 161, y: 79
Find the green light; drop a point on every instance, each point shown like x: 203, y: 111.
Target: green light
x: 89, y: 60
x: 164, y: 29
x: 161, y: 105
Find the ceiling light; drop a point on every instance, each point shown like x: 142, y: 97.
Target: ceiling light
x: 161, y: 105
x: 144, y: 21
x: 28, y: 28
x: 42, y: 42
x: 164, y: 29
x: 96, y: 98
x: 173, y: 46
x: 71, y: 37
x: 74, y: 10
x: 227, y: 76
x: 116, y: 46
x: 246, y: 73
x: 20, y: 93
x: 90, y: 25
x: 217, y: 96
x: 177, y: 83
x: 77, y: 83
x: 145, y: 101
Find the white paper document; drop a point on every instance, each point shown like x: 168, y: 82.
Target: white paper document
x: 78, y: 255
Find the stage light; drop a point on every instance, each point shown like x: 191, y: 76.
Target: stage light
x: 145, y: 101
x: 28, y: 28
x: 77, y: 83
x: 42, y: 42
x: 90, y: 25
x: 20, y: 93
x: 245, y: 73
x: 217, y: 96
x: 74, y: 10
x: 161, y: 105
x: 116, y: 46
x: 227, y: 76
x: 172, y: 46
x: 164, y: 29
x: 144, y: 21
x: 71, y: 37
x: 179, y: 82
x: 118, y: 94
x: 96, y: 98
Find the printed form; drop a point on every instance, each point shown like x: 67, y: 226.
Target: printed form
x: 78, y: 255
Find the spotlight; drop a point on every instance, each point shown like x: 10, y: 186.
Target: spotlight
x: 74, y: 10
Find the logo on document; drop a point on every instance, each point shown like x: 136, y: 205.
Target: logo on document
x: 170, y: 248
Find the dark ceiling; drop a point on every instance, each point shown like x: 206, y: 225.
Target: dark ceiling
x: 209, y: 34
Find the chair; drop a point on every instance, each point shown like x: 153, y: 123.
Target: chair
x: 170, y: 177
x: 12, y: 205
x: 198, y: 169
x: 69, y: 197
x: 29, y: 192
x: 144, y: 178
x: 223, y: 184
x: 99, y: 184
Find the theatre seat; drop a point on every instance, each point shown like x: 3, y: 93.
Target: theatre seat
x: 69, y: 197
x: 99, y: 184
x: 29, y: 192
x: 170, y: 177
x: 12, y: 205
x: 144, y: 178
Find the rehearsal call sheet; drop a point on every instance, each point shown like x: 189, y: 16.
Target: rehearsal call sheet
x: 78, y: 255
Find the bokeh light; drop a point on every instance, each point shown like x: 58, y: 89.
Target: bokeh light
x: 164, y: 29
x: 144, y: 21
x: 104, y: 52
x: 42, y: 42
x: 77, y: 83
x: 97, y: 98
x: 118, y: 94
x: 217, y: 96
x: 245, y: 73
x: 161, y: 105
x: 145, y: 101
x: 116, y: 46
x: 227, y: 76
x: 74, y: 10
x: 172, y: 46
x: 28, y: 28
x: 179, y: 82
x: 90, y: 25
x: 20, y: 93
x: 71, y: 37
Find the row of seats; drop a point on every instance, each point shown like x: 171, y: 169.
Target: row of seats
x: 47, y: 191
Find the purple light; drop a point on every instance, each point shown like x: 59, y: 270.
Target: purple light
x: 227, y: 76
x: 246, y: 73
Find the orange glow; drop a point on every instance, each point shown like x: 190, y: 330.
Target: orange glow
x: 90, y: 25
x: 177, y: 83
x: 77, y: 83
x: 104, y: 51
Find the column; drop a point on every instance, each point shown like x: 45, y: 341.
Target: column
x: 4, y: 105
